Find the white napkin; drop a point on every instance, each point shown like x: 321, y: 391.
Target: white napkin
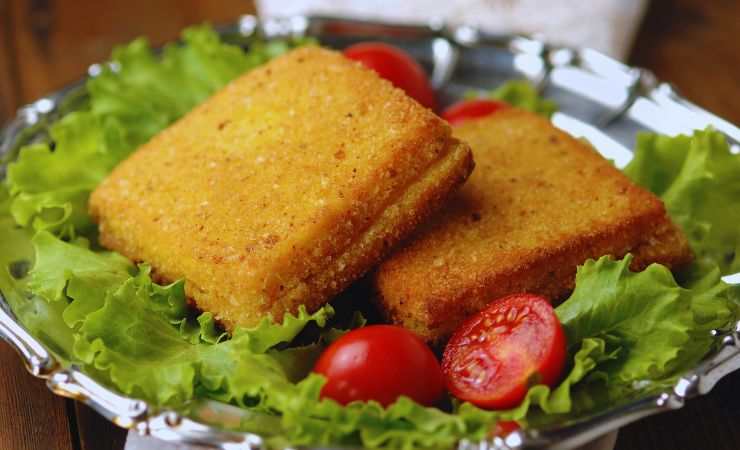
x: 606, y: 25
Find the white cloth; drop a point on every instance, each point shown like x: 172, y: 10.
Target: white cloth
x: 606, y: 25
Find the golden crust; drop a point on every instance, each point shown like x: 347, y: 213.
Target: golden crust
x: 282, y: 188
x: 538, y: 204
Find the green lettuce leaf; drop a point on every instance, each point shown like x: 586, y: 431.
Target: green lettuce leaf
x: 521, y: 94
x: 144, y: 93
x: 58, y: 261
x: 42, y: 319
x: 50, y: 186
x: 267, y: 334
x: 126, y: 330
x: 403, y: 425
x: 654, y: 328
x: 132, y: 329
x: 698, y: 178
x: 549, y: 401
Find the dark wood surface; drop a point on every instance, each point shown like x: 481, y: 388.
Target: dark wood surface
x: 694, y: 44
x: 31, y: 417
x: 47, y: 44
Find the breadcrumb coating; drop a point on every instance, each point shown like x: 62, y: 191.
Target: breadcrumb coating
x: 538, y: 204
x: 282, y: 188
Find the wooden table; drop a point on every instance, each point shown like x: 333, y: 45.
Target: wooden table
x: 47, y: 44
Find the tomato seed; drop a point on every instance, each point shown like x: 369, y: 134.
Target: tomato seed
x: 524, y: 313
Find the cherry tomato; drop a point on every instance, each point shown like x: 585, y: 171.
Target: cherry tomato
x: 381, y: 363
x: 396, y: 66
x: 472, y: 109
x: 504, y: 427
x: 496, y: 355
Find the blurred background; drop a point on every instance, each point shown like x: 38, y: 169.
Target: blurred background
x: 46, y: 44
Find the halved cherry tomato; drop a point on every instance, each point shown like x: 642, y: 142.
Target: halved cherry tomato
x: 495, y: 356
x: 472, y: 109
x: 396, y: 66
x: 381, y: 363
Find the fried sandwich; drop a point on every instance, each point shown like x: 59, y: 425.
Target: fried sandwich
x: 538, y: 204
x: 282, y: 188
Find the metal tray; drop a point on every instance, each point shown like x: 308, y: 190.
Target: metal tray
x: 600, y: 99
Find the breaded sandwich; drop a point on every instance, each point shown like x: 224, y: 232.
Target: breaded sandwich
x: 282, y: 188
x: 538, y: 204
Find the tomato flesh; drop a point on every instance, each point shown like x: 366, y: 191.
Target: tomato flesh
x: 495, y: 356
x: 396, y: 66
x: 472, y: 109
x: 381, y: 363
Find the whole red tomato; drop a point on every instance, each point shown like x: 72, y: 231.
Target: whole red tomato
x: 396, y: 66
x: 381, y: 363
x: 496, y: 355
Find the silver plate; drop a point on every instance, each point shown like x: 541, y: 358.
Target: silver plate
x: 600, y: 99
